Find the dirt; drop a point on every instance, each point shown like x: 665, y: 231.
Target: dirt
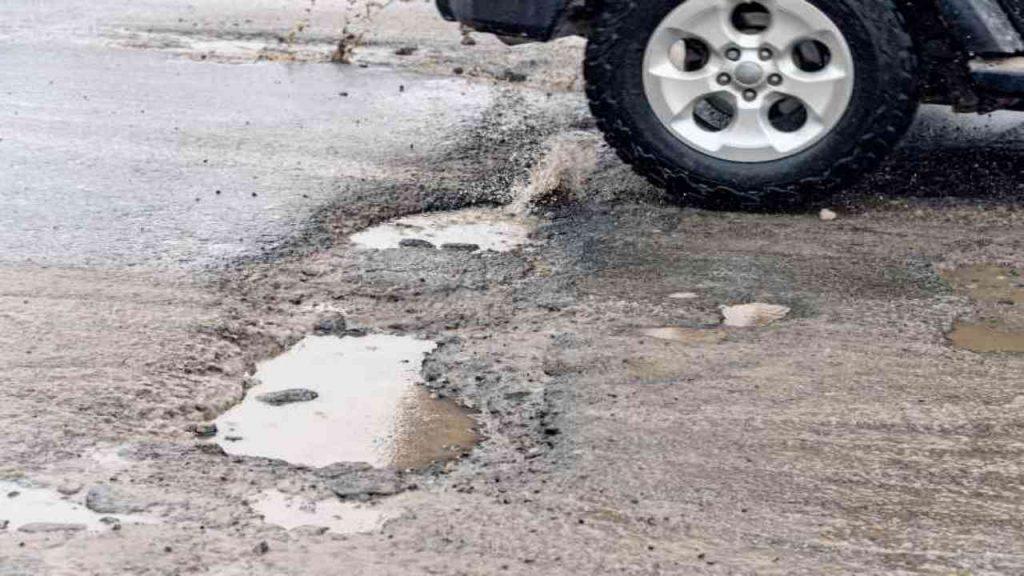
x: 848, y: 437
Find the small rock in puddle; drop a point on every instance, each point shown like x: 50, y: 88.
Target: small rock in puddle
x: 371, y: 407
x: 487, y: 229
x: 686, y: 335
x: 40, y: 510
x: 460, y: 247
x: 415, y: 243
x: 986, y: 338
x: 292, y: 512
x: 753, y: 315
x: 290, y: 396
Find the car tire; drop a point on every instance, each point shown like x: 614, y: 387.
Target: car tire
x: 880, y: 103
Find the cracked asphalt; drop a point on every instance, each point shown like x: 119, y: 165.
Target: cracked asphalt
x: 136, y: 300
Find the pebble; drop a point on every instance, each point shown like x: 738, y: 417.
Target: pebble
x: 334, y: 324
x: 69, y: 488
x: 204, y: 430
x: 101, y: 499
x: 290, y: 396
x: 827, y: 215
x: 414, y: 243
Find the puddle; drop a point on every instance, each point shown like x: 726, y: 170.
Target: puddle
x: 291, y: 512
x: 986, y: 338
x: 987, y: 283
x: 489, y: 229
x: 370, y: 407
x: 686, y: 335
x: 1000, y: 293
x: 41, y: 510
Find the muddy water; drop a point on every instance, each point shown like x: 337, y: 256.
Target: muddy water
x: 986, y: 338
x: 370, y: 407
x: 988, y: 283
x: 21, y: 506
x: 489, y: 229
x: 1000, y: 293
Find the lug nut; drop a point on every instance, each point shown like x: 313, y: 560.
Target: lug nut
x: 733, y: 54
x: 765, y: 54
x: 775, y: 79
x: 749, y: 95
x: 724, y: 79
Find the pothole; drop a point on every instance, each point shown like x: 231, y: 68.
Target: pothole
x: 987, y: 283
x: 39, y: 510
x: 472, y: 228
x: 999, y: 291
x: 986, y: 338
x: 368, y: 405
x: 292, y: 511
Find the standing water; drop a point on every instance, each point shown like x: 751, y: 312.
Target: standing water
x: 367, y: 405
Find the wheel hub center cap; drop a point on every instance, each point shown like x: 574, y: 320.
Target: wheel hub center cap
x: 749, y: 74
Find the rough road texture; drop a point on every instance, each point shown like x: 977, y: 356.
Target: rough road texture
x: 849, y: 438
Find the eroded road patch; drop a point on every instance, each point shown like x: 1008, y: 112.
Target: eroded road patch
x: 998, y: 323
x: 369, y: 407
x: 482, y: 228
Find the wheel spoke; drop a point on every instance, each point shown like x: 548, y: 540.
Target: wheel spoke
x: 681, y: 90
x: 749, y: 129
x: 712, y: 25
x: 818, y: 91
x: 788, y: 27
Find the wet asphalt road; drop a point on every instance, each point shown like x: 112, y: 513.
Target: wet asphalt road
x: 127, y: 157
x: 120, y: 157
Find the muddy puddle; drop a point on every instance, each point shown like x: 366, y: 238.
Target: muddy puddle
x: 331, y: 399
x: 486, y: 229
x: 292, y: 511
x: 39, y: 510
x: 999, y: 291
x: 988, y: 283
x: 986, y: 338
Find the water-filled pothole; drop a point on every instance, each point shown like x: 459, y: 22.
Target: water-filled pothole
x: 986, y: 338
x: 40, y: 510
x: 999, y: 291
x: 988, y: 283
x: 487, y: 229
x: 290, y: 512
x: 369, y: 406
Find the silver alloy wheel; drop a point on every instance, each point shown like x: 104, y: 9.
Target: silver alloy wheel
x: 699, y: 64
